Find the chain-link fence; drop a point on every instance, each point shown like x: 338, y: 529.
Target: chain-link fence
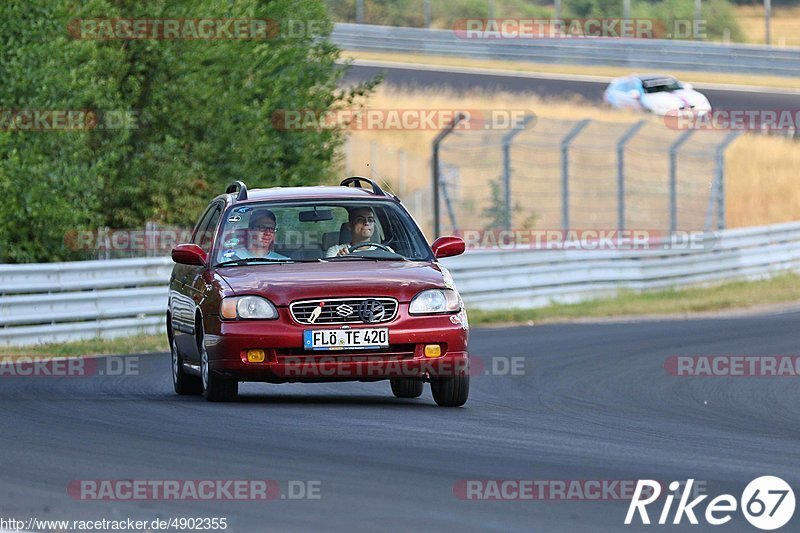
x: 562, y: 174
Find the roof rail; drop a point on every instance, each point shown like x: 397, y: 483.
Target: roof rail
x: 356, y: 180
x: 241, y: 187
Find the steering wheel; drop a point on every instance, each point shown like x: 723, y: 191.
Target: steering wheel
x: 365, y: 244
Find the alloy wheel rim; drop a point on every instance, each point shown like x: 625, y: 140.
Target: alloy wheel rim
x: 174, y: 362
x: 204, y: 368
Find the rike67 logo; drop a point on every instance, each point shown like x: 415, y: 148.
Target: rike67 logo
x: 767, y: 503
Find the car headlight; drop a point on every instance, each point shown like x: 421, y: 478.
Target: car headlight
x: 248, y: 307
x: 434, y: 301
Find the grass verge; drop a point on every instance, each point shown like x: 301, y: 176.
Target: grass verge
x: 736, y: 295
x: 123, y: 345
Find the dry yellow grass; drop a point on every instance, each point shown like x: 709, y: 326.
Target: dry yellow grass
x: 762, y: 184
x: 785, y: 24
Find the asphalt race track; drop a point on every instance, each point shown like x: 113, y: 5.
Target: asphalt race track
x: 591, y: 91
x: 594, y: 402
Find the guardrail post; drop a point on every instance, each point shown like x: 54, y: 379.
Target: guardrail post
x: 571, y: 134
x: 507, y: 139
x: 435, y: 169
x: 621, y: 172
x: 673, y: 179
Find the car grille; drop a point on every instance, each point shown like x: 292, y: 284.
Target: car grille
x: 340, y: 310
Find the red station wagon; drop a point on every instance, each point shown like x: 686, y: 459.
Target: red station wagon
x: 315, y: 284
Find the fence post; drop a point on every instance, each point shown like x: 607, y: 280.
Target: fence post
x: 621, y: 172
x: 435, y: 170
x: 571, y: 134
x: 507, y: 139
x: 720, y: 171
x: 673, y: 179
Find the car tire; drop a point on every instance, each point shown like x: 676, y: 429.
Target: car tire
x: 216, y: 388
x: 406, y: 387
x: 450, y: 391
x: 183, y: 383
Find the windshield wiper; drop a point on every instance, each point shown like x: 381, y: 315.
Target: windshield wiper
x: 249, y: 260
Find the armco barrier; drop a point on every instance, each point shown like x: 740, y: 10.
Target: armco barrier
x: 69, y: 301
x: 56, y: 302
x: 631, y: 53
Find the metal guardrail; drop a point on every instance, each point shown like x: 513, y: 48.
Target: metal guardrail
x: 69, y: 301
x: 633, y: 53
x: 539, y: 278
x: 58, y: 302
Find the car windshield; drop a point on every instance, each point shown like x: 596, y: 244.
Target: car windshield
x: 657, y: 85
x: 281, y: 232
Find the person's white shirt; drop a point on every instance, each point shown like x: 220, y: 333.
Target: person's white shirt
x: 244, y: 253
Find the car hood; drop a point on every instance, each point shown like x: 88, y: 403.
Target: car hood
x: 665, y: 101
x: 285, y: 283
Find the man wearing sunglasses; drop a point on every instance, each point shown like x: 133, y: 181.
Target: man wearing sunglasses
x: 260, y: 238
x: 362, y: 228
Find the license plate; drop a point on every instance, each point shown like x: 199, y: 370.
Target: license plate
x: 341, y: 339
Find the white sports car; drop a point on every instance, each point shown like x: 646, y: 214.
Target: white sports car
x: 656, y: 93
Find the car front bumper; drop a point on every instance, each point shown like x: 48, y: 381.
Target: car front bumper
x: 227, y: 344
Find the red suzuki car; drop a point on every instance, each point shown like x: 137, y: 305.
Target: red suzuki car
x: 315, y: 284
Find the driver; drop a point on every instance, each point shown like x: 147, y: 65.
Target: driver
x: 362, y: 227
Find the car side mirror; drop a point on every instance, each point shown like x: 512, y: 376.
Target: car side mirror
x: 189, y: 254
x: 686, y: 86
x: 448, y: 247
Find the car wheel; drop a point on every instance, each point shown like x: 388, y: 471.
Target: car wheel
x: 406, y: 387
x: 450, y: 391
x: 216, y: 388
x: 184, y: 383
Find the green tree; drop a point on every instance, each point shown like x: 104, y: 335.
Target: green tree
x: 203, y: 115
x: 50, y: 181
